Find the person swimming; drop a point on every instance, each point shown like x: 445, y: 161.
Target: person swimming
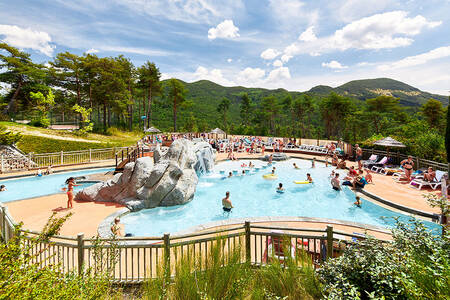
x: 2, y: 188
x: 250, y: 165
x: 313, y: 162
x: 243, y: 172
x: 230, y: 174
x: 358, y: 201
x: 309, y: 178
x: 295, y: 166
x: 280, y: 188
x: 335, y: 183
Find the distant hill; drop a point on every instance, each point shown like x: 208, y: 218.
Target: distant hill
x: 206, y: 95
x: 370, y: 88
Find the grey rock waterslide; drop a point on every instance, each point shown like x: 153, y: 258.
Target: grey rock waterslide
x: 164, y: 180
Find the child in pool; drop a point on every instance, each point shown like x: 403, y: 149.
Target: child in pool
x: 309, y: 178
x: 313, y: 162
x: 280, y: 187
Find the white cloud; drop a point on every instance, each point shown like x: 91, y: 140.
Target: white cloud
x: 92, y: 51
x: 418, y: 59
x: 225, y: 30
x: 269, y: 54
x: 334, y: 65
x: 135, y: 50
x: 279, y: 74
x: 27, y: 38
x: 350, y: 10
x: 285, y: 58
x: 214, y: 75
x: 250, y: 76
x: 191, y: 11
x: 292, y: 13
x: 308, y: 35
x: 380, y: 31
x: 229, y: 60
x: 277, y: 63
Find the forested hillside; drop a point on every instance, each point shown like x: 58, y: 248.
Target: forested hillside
x: 104, y: 92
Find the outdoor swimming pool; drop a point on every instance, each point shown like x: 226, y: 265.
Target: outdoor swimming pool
x: 34, y: 186
x: 253, y: 196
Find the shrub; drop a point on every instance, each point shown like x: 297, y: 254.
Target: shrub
x: 8, y: 137
x: 414, y: 266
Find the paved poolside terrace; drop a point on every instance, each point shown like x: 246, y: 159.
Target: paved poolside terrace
x: 88, y: 215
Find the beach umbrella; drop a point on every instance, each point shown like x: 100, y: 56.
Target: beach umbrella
x: 389, y: 142
x: 153, y: 130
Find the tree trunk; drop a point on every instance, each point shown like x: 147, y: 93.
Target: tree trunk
x: 149, y: 112
x: 131, y: 118
x: 12, y: 102
x: 104, y: 116
x: 109, y: 116
x: 175, y: 115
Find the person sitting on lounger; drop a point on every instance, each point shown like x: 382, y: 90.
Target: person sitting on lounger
x: 430, y: 175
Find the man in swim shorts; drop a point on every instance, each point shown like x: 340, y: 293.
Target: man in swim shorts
x: 335, y: 183
x: 309, y: 178
x: 359, y: 156
x: 226, y: 203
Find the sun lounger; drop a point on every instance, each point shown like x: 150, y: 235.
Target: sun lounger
x: 419, y: 183
x: 376, y: 167
x: 372, y: 160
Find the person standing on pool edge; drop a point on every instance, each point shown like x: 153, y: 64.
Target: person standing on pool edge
x: 70, y: 184
x: 226, y: 203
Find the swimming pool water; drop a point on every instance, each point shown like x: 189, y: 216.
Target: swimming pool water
x: 253, y: 196
x: 34, y: 186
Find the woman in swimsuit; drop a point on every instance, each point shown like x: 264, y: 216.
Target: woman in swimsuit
x: 408, y: 166
x: 70, y: 184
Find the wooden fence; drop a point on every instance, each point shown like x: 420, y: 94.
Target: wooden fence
x: 55, y: 159
x: 136, y: 259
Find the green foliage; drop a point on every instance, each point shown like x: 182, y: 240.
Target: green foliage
x: 38, y: 144
x: 8, y: 137
x: 414, y: 266
x: 24, y: 277
x: 433, y: 112
x: 176, y: 96
x: 87, y: 125
x: 447, y: 134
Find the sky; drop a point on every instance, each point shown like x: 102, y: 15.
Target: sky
x: 291, y: 44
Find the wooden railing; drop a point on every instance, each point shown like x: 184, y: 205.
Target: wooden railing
x: 396, y: 158
x: 55, y: 159
x: 136, y: 259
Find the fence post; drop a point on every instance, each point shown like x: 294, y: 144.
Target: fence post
x: 62, y: 157
x: 329, y: 241
x: 167, y: 254
x: 247, y: 241
x: 418, y: 161
x: 90, y: 155
x: 4, y: 224
x: 29, y: 160
x: 3, y: 165
x: 116, y: 161
x: 80, y: 246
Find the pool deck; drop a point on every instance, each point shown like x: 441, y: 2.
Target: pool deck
x: 88, y: 215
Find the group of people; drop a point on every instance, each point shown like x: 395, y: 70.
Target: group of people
x: 47, y: 172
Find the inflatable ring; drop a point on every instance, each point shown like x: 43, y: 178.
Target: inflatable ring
x: 270, y: 176
x: 243, y: 165
x: 301, y: 182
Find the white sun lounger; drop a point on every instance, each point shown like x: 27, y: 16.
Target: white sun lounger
x: 419, y: 183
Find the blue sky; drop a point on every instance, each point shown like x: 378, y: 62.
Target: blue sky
x: 257, y: 43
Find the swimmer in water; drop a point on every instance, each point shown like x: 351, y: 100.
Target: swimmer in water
x: 309, y: 178
x: 243, y: 172
x: 358, y: 201
x: 226, y: 203
x: 273, y: 171
x: 313, y: 163
x: 295, y: 166
x: 230, y: 174
x: 250, y: 165
x: 332, y: 174
x: 280, y: 187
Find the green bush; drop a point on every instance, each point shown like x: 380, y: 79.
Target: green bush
x: 416, y: 265
x: 8, y: 137
x: 22, y: 276
x: 38, y: 144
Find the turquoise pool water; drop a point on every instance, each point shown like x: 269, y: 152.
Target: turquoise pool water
x: 29, y: 187
x: 253, y: 196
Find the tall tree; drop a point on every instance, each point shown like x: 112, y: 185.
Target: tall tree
x: 433, y: 112
x: 177, y: 96
x: 66, y: 70
x: 334, y: 109
x: 19, y: 72
x: 149, y: 79
x: 270, y: 109
x: 246, y: 109
x: 223, y: 108
x: 303, y: 107
x: 380, y: 108
x: 447, y: 133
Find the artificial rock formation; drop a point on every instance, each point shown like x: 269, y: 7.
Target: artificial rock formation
x: 167, y: 179
x: 276, y: 156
